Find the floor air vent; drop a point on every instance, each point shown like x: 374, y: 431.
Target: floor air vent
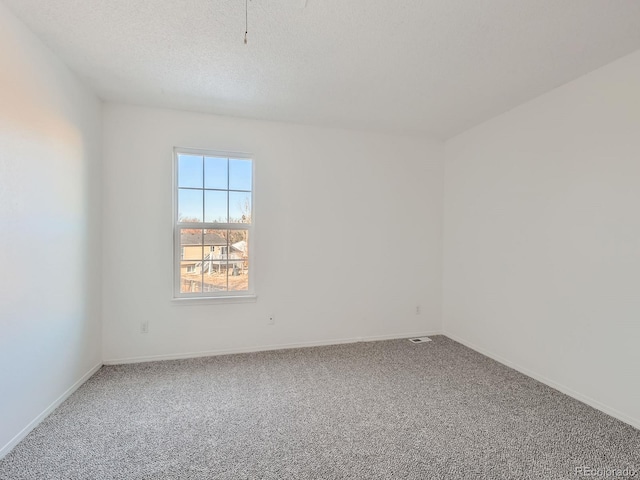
x: 420, y: 340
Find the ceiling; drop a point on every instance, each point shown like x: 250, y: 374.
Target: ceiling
x: 429, y: 66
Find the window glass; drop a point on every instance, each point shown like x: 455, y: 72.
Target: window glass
x: 215, y: 192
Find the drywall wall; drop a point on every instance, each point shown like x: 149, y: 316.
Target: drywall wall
x: 50, y: 250
x: 347, y: 235
x: 542, y: 238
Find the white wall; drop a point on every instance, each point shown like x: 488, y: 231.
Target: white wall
x: 50, y: 248
x: 347, y: 235
x: 542, y: 238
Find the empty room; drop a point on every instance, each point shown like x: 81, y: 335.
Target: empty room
x: 316, y: 239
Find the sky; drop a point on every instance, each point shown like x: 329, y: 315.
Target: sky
x: 213, y: 176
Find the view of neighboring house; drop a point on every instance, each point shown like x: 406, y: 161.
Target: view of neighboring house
x: 207, y: 261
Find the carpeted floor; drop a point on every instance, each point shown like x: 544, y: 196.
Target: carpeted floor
x: 380, y: 410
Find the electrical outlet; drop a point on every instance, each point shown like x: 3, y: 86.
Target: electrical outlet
x: 272, y: 320
x: 144, y: 326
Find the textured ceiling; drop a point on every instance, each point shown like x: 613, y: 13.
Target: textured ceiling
x: 433, y: 66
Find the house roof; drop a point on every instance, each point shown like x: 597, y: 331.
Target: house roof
x: 210, y: 238
x: 240, y: 246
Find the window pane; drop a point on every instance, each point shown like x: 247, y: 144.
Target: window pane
x: 191, y: 244
x: 215, y: 246
x: 215, y: 206
x: 189, y: 171
x: 189, y: 205
x: 238, y: 260
x: 216, y: 259
x: 190, y: 277
x: 239, y: 207
x: 240, y: 174
x: 215, y: 173
x: 215, y: 282
x: 216, y: 190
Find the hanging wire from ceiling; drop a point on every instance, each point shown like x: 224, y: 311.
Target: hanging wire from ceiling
x: 246, y: 20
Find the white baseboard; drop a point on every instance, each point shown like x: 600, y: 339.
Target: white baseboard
x: 634, y: 422
x: 263, y: 348
x: 36, y: 421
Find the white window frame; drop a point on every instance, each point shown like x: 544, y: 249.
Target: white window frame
x: 228, y: 296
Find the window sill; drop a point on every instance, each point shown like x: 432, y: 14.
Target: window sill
x: 190, y: 301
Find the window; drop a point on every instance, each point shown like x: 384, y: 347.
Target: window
x: 212, y: 224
